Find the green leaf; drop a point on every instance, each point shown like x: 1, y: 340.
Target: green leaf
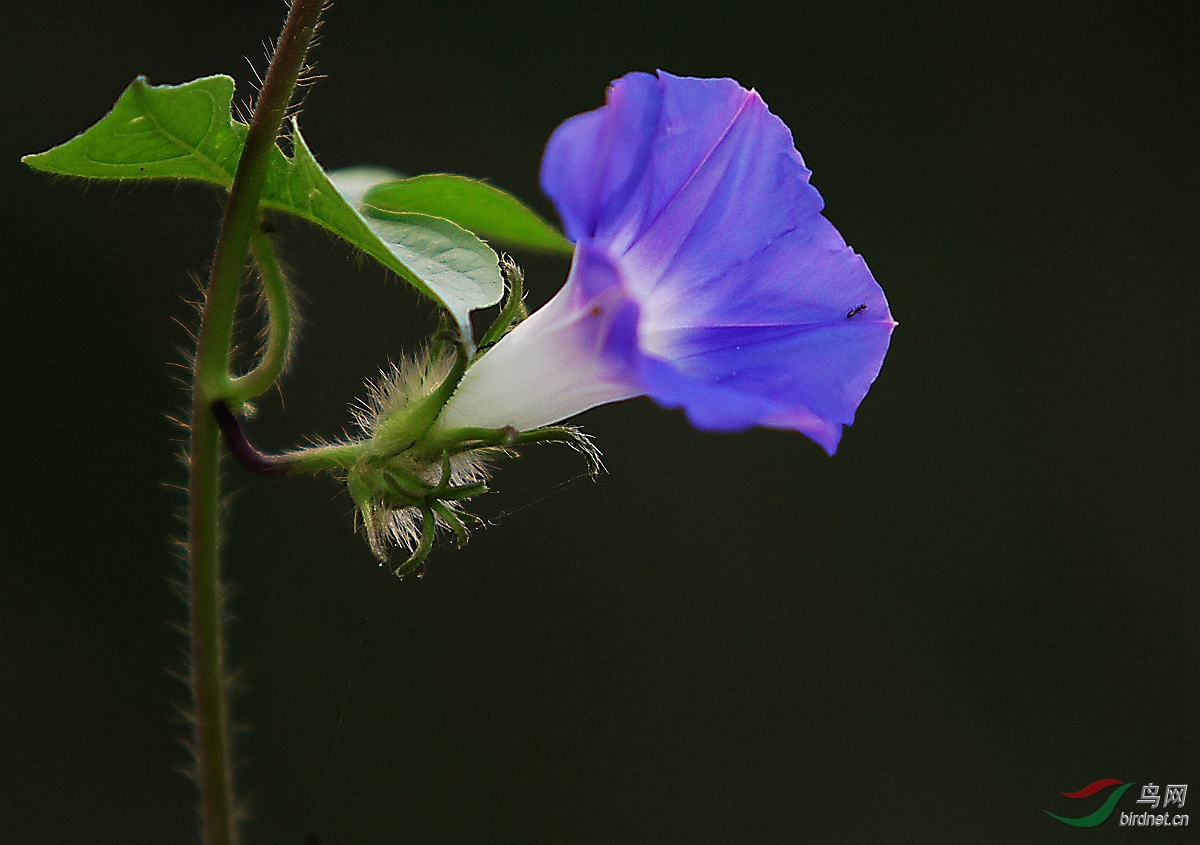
x: 436, y: 256
x: 477, y: 206
x: 157, y: 132
x: 187, y: 132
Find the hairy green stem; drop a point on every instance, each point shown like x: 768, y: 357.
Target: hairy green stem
x: 311, y: 459
x: 279, y: 321
x: 331, y: 456
x: 212, y: 381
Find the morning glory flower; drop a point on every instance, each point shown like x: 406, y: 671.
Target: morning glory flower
x: 704, y: 276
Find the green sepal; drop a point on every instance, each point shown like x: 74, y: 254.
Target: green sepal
x: 451, y: 518
x: 511, y: 312
x: 402, y: 431
x: 424, y: 546
x: 570, y: 436
x: 361, y: 491
x: 463, y: 492
x: 400, y: 492
x: 456, y: 440
x: 477, y: 206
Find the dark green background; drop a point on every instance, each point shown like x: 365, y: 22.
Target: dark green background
x: 986, y: 598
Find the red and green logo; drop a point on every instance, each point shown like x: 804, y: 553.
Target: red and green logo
x: 1105, y: 809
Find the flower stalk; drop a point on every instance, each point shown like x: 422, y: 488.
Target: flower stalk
x: 408, y: 473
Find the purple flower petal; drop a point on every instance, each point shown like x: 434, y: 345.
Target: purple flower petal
x: 694, y: 220
x: 596, y: 166
x: 771, y: 339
